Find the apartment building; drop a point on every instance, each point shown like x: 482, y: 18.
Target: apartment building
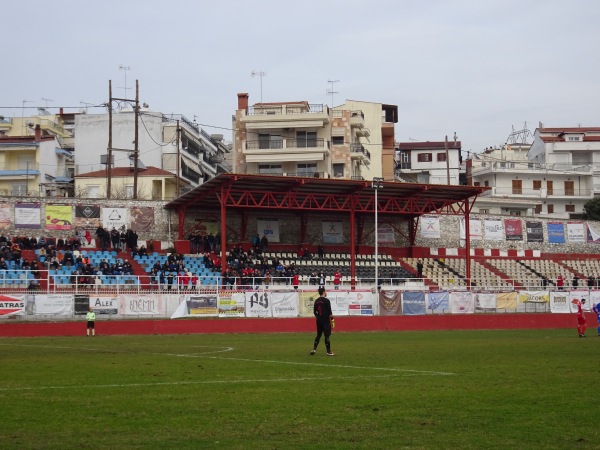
x: 428, y: 162
x: 297, y: 138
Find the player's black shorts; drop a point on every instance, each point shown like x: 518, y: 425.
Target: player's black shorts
x: 90, y: 324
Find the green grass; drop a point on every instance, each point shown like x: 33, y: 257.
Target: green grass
x: 417, y: 390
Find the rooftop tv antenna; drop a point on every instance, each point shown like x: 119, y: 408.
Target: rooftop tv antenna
x: 47, y: 100
x: 332, y: 91
x: 125, y: 68
x: 260, y: 74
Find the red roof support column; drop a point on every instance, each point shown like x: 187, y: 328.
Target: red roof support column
x: 223, y: 232
x: 467, y: 244
x: 352, y: 249
x: 180, y: 225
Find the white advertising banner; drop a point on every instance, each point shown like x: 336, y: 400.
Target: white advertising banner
x: 258, y: 303
x: 268, y: 228
x: 231, y: 304
x: 360, y: 303
x: 579, y: 295
x: 285, y: 304
x: 57, y: 304
x: 115, y: 218
x: 576, y: 232
x: 485, y: 301
x: 340, y: 300
x: 461, y: 302
x: 559, y: 302
x: 494, y: 230
x: 104, y: 304
x: 12, y: 305
x: 430, y: 227
x: 386, y: 233
x: 475, y: 230
x: 141, y: 305
x: 333, y: 232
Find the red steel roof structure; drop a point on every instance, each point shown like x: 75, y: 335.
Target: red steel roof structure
x: 407, y: 201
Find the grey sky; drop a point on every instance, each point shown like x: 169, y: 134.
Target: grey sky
x: 474, y: 68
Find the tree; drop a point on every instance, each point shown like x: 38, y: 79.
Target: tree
x: 592, y: 209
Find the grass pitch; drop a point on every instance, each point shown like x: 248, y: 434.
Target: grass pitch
x: 417, y: 390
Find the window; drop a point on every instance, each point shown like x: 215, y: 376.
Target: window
x: 337, y: 140
x: 306, y: 139
x: 517, y: 186
x: 569, y: 188
x: 550, y: 187
x: 338, y: 170
x: 573, y: 138
x: 441, y: 157
x: 424, y: 157
x: 477, y: 183
x: 270, y: 141
x: 129, y: 191
x: 484, y: 211
x: 307, y: 169
x: 93, y: 191
x: 486, y: 183
x: 570, y: 208
x: 515, y: 213
x: 538, y: 209
x: 550, y: 209
x: 537, y: 185
x: 19, y: 188
x: 270, y: 169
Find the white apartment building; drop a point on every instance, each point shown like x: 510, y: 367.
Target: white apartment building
x: 428, y: 162
x: 351, y: 141
x: 189, y: 151
x: 553, y: 177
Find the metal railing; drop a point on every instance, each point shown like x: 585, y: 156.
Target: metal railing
x: 287, y: 143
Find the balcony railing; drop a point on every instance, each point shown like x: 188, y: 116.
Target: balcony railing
x: 538, y: 193
x: 512, y: 166
x: 287, y: 143
x: 359, y: 148
x: 286, y: 109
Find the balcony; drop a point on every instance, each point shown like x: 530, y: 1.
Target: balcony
x: 529, y: 167
x: 357, y: 119
x: 286, y: 150
x: 54, y: 128
x: 285, y: 116
x: 509, y: 192
x: 19, y: 171
x: 358, y: 151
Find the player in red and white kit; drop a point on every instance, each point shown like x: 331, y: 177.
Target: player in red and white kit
x: 581, y: 322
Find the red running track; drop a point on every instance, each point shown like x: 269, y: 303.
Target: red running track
x: 10, y: 328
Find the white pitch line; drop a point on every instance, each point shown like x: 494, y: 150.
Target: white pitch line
x: 183, y: 383
x: 268, y: 361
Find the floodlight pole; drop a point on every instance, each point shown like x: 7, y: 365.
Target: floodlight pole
x: 377, y: 184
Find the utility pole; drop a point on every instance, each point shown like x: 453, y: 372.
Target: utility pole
x: 177, y: 132
x: 136, y: 149
x: 109, y: 162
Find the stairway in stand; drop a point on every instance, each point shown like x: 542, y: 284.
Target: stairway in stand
x: 42, y: 280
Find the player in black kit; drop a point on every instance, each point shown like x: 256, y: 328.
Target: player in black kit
x: 324, y: 316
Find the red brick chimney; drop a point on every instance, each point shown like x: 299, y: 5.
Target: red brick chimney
x: 38, y: 133
x: 243, y: 101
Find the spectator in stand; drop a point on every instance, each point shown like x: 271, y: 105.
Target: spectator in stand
x: 420, y: 269
x: 143, y: 251
x: 115, y: 239
x: 193, y: 281
x: 68, y: 259
x: 575, y: 281
x: 295, y: 281
x: 267, y: 278
x: 35, y: 268
x: 264, y: 244
x: 256, y: 241
x: 337, y: 279
x: 127, y: 268
x: 122, y: 241
x: 42, y: 252
x: 591, y: 282
x: 88, y: 237
x: 170, y: 277
x: 560, y: 282
x: 321, y: 251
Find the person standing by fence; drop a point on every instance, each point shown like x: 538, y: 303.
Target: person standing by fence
x: 91, y: 320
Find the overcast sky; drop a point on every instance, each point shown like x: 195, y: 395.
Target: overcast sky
x: 476, y: 68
